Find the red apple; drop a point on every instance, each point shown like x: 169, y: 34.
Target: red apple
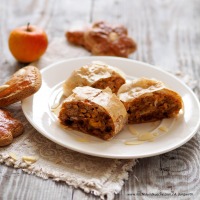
x: 28, y: 43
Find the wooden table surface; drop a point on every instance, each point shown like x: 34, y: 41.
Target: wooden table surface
x: 168, y: 35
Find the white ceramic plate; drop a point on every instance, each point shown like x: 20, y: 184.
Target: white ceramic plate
x: 37, y: 110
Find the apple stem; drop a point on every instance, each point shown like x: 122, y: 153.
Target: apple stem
x: 28, y: 26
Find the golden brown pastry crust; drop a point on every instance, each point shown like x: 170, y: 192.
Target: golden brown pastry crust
x: 22, y: 84
x: 148, y: 100
x: 93, y: 111
x: 97, y: 75
x: 9, y: 128
x: 103, y: 39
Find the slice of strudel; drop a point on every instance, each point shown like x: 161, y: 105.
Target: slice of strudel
x: 93, y: 111
x: 148, y: 100
x: 97, y: 75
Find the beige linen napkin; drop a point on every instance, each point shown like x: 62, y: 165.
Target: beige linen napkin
x: 100, y: 176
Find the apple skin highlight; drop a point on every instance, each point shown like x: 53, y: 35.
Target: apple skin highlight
x: 28, y: 43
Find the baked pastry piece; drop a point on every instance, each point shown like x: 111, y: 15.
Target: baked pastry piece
x: 103, y: 39
x: 9, y: 128
x: 148, y: 100
x: 93, y: 111
x: 97, y: 75
x: 22, y: 84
